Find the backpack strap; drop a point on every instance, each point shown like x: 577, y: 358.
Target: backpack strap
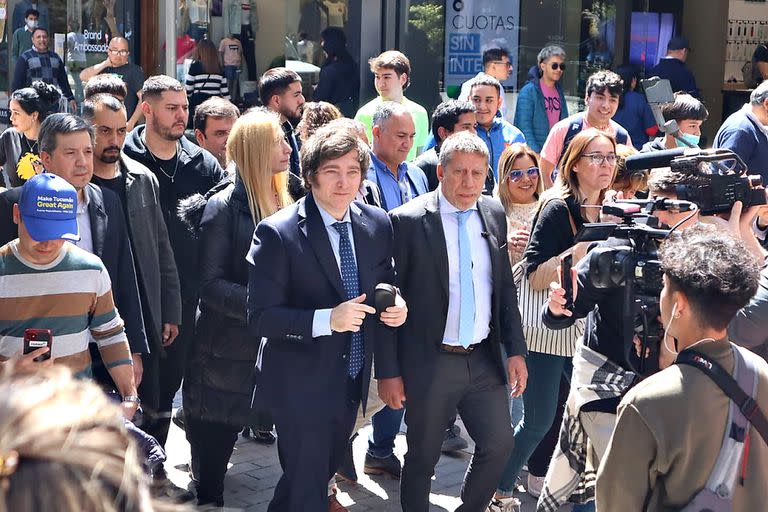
x: 745, y: 403
x: 573, y: 130
x: 621, y: 135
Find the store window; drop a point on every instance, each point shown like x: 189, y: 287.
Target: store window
x: 251, y: 36
x: 445, y: 39
x: 79, y: 32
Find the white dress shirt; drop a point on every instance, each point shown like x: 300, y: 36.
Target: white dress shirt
x: 482, y: 276
x: 321, y: 321
x: 84, y: 224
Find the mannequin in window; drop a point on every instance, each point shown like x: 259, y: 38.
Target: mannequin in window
x: 231, y: 53
x: 337, y: 12
x: 241, y: 20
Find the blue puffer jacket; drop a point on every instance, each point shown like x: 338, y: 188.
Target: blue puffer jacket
x: 531, y: 113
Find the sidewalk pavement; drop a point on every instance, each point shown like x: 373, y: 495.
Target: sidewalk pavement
x: 255, y: 469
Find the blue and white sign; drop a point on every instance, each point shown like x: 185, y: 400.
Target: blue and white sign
x: 473, y: 26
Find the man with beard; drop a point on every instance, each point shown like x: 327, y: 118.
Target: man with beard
x: 280, y: 91
x: 182, y: 169
x: 66, y: 149
x: 137, y: 189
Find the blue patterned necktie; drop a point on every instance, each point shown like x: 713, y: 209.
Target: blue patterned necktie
x: 466, y: 286
x: 352, y: 288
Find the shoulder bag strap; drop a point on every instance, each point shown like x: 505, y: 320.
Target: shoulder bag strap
x: 747, y: 405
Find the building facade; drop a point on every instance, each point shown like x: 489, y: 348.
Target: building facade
x: 444, y: 39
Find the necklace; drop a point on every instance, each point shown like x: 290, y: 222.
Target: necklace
x: 30, y: 146
x: 175, y: 167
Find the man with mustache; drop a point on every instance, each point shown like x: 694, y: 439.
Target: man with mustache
x: 137, y: 189
x: 66, y: 149
x: 182, y: 169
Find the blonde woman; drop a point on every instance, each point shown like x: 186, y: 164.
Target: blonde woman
x: 587, y: 170
x: 218, y: 383
x: 519, y: 188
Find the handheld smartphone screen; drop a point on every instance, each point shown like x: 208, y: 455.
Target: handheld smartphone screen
x: 38, y: 338
x: 568, y: 280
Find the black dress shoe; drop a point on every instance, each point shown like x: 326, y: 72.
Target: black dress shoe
x: 388, y: 466
x: 264, y: 436
x: 347, y: 469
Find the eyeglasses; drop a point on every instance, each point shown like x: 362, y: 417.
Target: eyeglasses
x: 599, y: 158
x: 122, y: 53
x: 516, y: 175
x: 502, y: 62
x: 556, y: 65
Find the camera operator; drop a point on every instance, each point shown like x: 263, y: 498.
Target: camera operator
x: 602, y: 374
x: 669, y: 450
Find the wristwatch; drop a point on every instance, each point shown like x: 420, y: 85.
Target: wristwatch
x: 132, y: 398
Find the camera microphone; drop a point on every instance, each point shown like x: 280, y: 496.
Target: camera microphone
x: 653, y: 160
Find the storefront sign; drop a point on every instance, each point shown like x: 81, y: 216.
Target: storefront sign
x: 472, y: 26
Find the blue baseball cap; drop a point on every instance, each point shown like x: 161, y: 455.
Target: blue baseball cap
x: 48, y: 207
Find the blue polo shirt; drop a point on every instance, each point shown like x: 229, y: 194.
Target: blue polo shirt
x: 742, y: 134
x: 395, y: 191
x: 501, y: 134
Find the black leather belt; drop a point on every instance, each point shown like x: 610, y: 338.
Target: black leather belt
x: 456, y: 349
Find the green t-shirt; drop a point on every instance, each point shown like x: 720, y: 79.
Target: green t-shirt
x: 420, y: 120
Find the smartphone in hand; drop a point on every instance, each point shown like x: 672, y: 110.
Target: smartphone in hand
x: 38, y: 338
x: 568, y: 280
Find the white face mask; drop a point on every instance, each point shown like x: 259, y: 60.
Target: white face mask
x: 32, y: 24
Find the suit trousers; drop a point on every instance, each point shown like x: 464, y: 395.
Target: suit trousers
x: 312, y: 437
x: 472, y: 384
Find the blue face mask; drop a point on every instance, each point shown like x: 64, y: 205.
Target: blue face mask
x: 691, y: 139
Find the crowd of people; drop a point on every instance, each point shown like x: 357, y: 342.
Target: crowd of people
x: 299, y: 270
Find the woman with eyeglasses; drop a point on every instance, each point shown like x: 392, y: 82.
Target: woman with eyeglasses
x: 541, y: 102
x: 519, y: 188
x: 587, y: 171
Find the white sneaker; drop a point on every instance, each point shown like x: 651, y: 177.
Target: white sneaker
x: 504, y: 505
x: 535, y: 485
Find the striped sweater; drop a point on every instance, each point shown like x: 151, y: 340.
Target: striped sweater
x: 71, y: 296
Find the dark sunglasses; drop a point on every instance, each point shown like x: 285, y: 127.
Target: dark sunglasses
x: 516, y: 175
x: 556, y: 65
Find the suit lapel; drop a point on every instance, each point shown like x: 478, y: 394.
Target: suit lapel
x: 321, y: 245
x: 489, y: 232
x: 433, y: 229
x: 364, y: 250
x: 98, y: 218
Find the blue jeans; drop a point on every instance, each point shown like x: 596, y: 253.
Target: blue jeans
x: 540, y: 403
x: 386, y: 425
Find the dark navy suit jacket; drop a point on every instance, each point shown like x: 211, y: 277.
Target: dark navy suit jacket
x: 292, y: 273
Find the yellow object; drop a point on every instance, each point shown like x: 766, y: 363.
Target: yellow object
x: 29, y: 165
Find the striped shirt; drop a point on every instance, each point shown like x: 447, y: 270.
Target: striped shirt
x: 208, y: 84
x: 71, y: 296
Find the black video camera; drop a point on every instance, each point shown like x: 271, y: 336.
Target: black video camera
x: 718, y: 177
x: 635, y: 267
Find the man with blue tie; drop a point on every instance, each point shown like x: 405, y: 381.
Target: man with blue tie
x: 314, y: 267
x: 463, y: 341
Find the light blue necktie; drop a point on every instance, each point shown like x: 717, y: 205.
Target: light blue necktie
x: 466, y: 286
x: 351, y: 284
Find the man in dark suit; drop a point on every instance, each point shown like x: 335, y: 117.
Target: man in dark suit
x: 66, y: 149
x: 463, y: 340
x: 314, y: 268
